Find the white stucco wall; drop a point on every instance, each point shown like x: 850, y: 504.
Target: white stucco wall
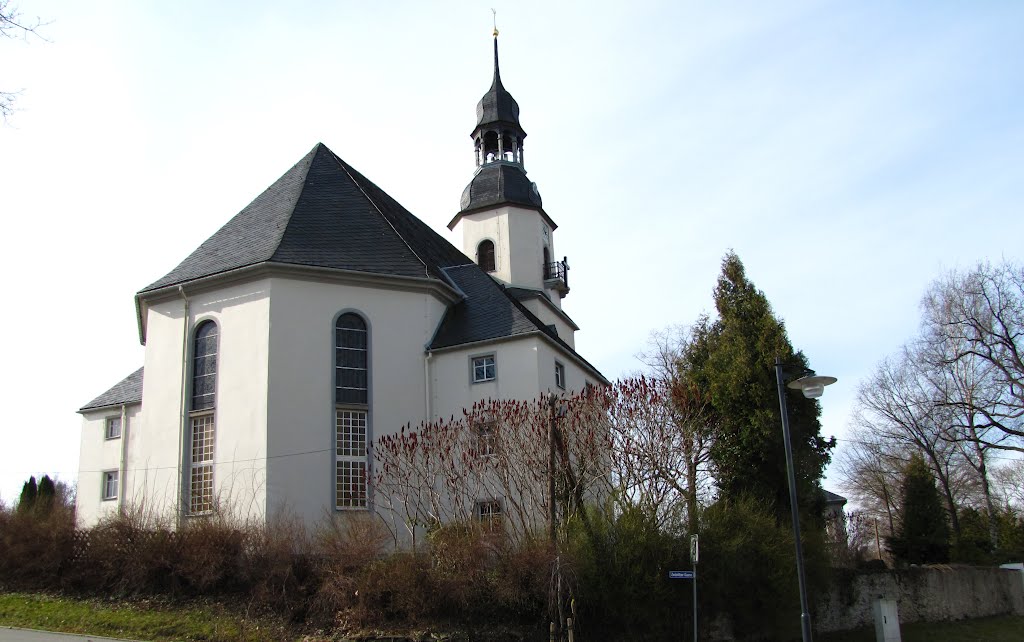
x: 98, y: 455
x: 525, y: 369
x: 156, y: 454
x: 544, y: 312
x: 301, y: 417
x: 519, y: 241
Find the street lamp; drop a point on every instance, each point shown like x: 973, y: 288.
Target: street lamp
x: 812, y: 386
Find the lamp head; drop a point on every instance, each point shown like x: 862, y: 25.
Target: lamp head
x: 812, y: 386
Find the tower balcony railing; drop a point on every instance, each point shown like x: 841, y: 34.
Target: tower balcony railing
x: 557, y: 270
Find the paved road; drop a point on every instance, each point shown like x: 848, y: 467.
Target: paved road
x: 8, y: 634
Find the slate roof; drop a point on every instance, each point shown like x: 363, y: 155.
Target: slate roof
x: 127, y: 391
x: 499, y: 183
x: 321, y: 213
x: 832, y: 498
x: 489, y: 311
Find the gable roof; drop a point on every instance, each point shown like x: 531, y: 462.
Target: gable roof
x: 127, y: 391
x: 321, y: 213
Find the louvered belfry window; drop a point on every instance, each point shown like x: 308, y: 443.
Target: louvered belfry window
x: 201, y: 418
x: 351, y: 398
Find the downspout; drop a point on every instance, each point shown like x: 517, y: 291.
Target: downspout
x: 184, y: 419
x: 426, y: 386
x: 121, y: 468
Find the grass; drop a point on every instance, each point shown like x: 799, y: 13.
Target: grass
x: 1007, y: 628
x: 141, y: 620
x: 160, y: 621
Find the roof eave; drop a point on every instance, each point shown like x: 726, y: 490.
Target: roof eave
x: 484, y: 208
x: 571, y: 354
x: 310, y: 272
x: 86, y: 409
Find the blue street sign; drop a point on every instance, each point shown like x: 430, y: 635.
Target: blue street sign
x: 680, y: 575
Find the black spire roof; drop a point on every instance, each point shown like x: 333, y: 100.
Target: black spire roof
x: 497, y: 184
x: 497, y: 105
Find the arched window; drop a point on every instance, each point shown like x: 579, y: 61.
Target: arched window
x: 351, y: 369
x: 485, y: 255
x: 547, y: 264
x: 201, y: 418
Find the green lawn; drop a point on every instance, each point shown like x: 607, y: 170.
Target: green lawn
x: 134, y: 620
x: 988, y: 629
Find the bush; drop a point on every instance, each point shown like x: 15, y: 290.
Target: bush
x: 36, y: 543
x: 622, y: 585
x: 750, y: 565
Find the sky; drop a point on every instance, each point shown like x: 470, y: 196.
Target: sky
x: 848, y: 152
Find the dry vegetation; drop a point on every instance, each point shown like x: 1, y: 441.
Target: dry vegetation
x: 340, y: 577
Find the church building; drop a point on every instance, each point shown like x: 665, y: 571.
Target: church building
x: 321, y: 317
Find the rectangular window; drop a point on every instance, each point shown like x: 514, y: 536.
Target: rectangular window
x: 110, y: 479
x: 200, y: 487
x: 484, y: 369
x: 489, y: 514
x: 113, y: 428
x: 560, y: 375
x: 484, y: 437
x: 350, y: 459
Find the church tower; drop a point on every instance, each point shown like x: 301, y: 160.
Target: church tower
x: 502, y: 221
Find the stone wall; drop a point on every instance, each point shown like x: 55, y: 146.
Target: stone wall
x: 929, y: 594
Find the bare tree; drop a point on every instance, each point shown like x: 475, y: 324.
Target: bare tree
x: 901, y: 407
x: 870, y: 470
x: 976, y: 319
x: 1008, y: 480
x: 961, y: 386
x: 14, y: 25
x: 674, y: 436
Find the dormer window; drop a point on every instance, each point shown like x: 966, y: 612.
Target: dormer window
x: 485, y: 256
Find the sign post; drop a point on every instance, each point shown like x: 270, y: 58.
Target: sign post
x: 690, y: 575
x: 694, y: 555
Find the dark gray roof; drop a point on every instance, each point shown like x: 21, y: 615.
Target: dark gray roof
x: 127, y: 391
x: 321, y: 213
x: 489, y: 311
x: 497, y: 105
x: 485, y: 313
x: 499, y: 183
x: 832, y: 498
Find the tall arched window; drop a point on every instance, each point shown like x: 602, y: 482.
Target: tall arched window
x: 485, y: 255
x: 351, y: 398
x: 201, y: 418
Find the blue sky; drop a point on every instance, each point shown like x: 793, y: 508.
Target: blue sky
x: 849, y: 152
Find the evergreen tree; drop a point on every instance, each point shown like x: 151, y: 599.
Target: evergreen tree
x: 923, y: 534
x: 46, y: 493
x: 28, y: 494
x: 732, y: 358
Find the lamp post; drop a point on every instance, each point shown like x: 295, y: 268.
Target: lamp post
x: 812, y: 386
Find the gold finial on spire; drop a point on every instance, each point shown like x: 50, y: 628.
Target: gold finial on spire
x: 495, y: 13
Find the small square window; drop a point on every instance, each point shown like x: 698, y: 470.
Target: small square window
x: 113, y: 428
x: 484, y: 369
x: 489, y: 514
x: 560, y: 375
x: 110, y: 482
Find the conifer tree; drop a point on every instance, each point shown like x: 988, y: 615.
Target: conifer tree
x: 732, y: 358
x: 923, y: 534
x: 29, y: 491
x: 46, y: 493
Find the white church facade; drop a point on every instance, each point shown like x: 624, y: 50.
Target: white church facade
x: 321, y: 317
